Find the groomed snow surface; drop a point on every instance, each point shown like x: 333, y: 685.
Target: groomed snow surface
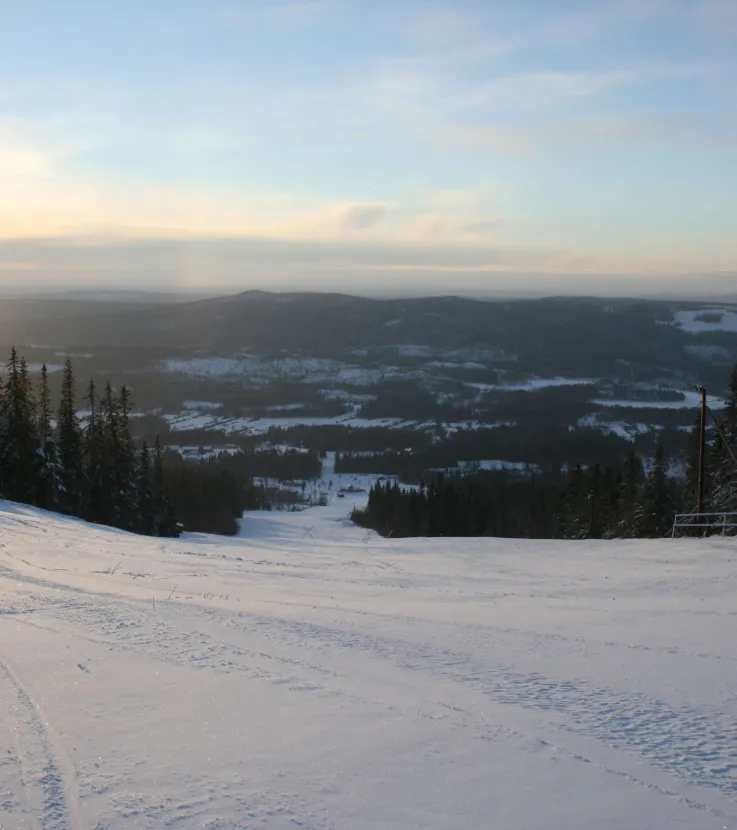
x: 308, y: 675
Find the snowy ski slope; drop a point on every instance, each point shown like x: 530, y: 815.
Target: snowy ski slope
x: 307, y: 676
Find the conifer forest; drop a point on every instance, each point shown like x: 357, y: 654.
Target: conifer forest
x: 86, y: 464
x: 638, y: 499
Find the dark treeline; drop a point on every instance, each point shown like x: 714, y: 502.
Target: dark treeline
x: 91, y: 468
x: 346, y: 438
x: 251, y: 460
x: 413, y: 404
x: 593, y: 502
x: 486, y: 504
x: 549, y: 449
x: 587, y: 504
x: 290, y: 465
x: 209, y: 496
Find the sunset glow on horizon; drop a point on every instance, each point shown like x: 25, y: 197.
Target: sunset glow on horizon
x: 312, y: 144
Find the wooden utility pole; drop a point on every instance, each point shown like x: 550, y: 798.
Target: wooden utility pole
x: 702, y: 449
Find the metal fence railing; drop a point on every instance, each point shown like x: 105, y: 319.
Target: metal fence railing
x: 704, y: 521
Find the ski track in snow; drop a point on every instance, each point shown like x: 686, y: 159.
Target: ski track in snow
x: 685, y: 752
x: 45, y: 773
x: 697, y: 746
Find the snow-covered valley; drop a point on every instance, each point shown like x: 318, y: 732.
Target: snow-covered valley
x: 448, y: 379
x: 306, y: 674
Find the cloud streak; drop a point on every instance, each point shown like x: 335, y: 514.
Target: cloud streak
x: 231, y: 265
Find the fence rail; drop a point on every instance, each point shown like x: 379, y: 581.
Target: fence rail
x: 705, y: 521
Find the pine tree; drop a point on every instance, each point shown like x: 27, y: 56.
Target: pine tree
x: 69, y: 447
x: 654, y: 514
x: 19, y: 440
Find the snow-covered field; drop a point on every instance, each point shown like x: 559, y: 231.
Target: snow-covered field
x: 628, y: 431
x: 706, y: 319
x: 690, y: 400
x: 307, y: 675
x: 533, y: 385
x: 261, y: 369
x: 260, y: 426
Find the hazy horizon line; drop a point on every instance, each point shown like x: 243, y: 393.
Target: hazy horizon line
x: 190, y: 294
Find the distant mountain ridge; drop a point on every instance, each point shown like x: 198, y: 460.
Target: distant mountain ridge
x: 561, y: 334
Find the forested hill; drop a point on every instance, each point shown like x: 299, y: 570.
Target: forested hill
x: 577, y: 334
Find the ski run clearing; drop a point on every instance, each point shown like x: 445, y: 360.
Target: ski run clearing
x: 309, y: 675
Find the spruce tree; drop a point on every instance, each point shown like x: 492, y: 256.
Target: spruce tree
x: 730, y: 410
x: 716, y: 484
x: 120, y: 456
x: 98, y: 498
x: 691, y: 476
x: 48, y: 469
x: 18, y: 441
x: 165, y: 523
x: 722, y: 492
x: 594, y: 496
x: 127, y: 458
x: 609, y: 502
x: 2, y: 441
x: 575, y: 504
x: 69, y: 447
x: 654, y: 513
x: 630, y: 477
x: 145, y: 522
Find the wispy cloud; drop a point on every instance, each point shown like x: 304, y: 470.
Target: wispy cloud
x: 236, y: 264
x: 598, y: 132
x: 275, y: 11
x: 407, y: 135
x: 517, y: 114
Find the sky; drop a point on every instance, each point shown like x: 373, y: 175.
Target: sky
x: 406, y: 147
